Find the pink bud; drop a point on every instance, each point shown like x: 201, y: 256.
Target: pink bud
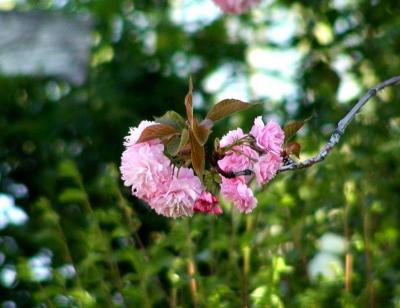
x: 207, y: 203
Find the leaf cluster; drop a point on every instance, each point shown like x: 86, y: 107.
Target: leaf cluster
x: 185, y: 138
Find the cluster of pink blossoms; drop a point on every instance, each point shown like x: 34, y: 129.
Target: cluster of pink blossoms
x: 269, y: 139
x: 235, y: 6
x: 153, y: 179
x: 174, y: 192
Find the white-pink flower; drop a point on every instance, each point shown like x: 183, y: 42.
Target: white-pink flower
x: 239, y: 193
x: 268, y: 137
x: 143, y: 167
x: 235, y: 6
x: 266, y: 167
x: 177, y: 195
x: 150, y: 174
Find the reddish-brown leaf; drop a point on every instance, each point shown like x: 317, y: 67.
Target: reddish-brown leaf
x: 293, y: 148
x: 189, y: 103
x: 200, y: 132
x: 197, y: 155
x: 227, y: 107
x: 291, y: 128
x: 157, y: 131
x: 207, y: 123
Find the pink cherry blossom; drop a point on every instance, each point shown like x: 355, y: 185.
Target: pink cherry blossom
x: 266, y: 167
x: 207, y: 203
x: 150, y: 174
x: 235, y: 6
x: 176, y: 196
x: 231, y: 137
x: 268, y: 137
x: 174, y: 193
x: 143, y: 166
x: 239, y: 193
x: 238, y: 159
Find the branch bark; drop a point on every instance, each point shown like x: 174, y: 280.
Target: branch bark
x: 341, y: 127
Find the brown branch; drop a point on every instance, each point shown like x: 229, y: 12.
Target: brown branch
x: 341, y: 127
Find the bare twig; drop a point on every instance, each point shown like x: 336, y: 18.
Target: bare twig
x: 339, y: 131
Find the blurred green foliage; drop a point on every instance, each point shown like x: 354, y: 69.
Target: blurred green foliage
x: 108, y: 249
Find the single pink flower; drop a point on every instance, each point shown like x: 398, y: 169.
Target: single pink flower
x: 231, y: 137
x: 238, y: 159
x: 239, y: 193
x: 176, y: 196
x: 268, y: 137
x: 235, y: 6
x: 266, y: 167
x: 207, y: 203
x: 143, y: 167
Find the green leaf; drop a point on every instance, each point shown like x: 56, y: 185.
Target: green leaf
x: 291, y: 128
x: 226, y: 108
x: 157, y: 131
x: 83, y: 297
x: 217, y: 177
x: 68, y: 169
x: 72, y: 195
x: 197, y: 155
x: 178, y: 143
x: 172, y: 146
x: 171, y: 118
x: 184, y: 139
x: 210, y: 183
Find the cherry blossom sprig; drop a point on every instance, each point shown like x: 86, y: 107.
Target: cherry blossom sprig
x: 166, y: 166
x: 165, y: 163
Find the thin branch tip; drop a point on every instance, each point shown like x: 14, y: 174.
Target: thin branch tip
x: 341, y: 127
